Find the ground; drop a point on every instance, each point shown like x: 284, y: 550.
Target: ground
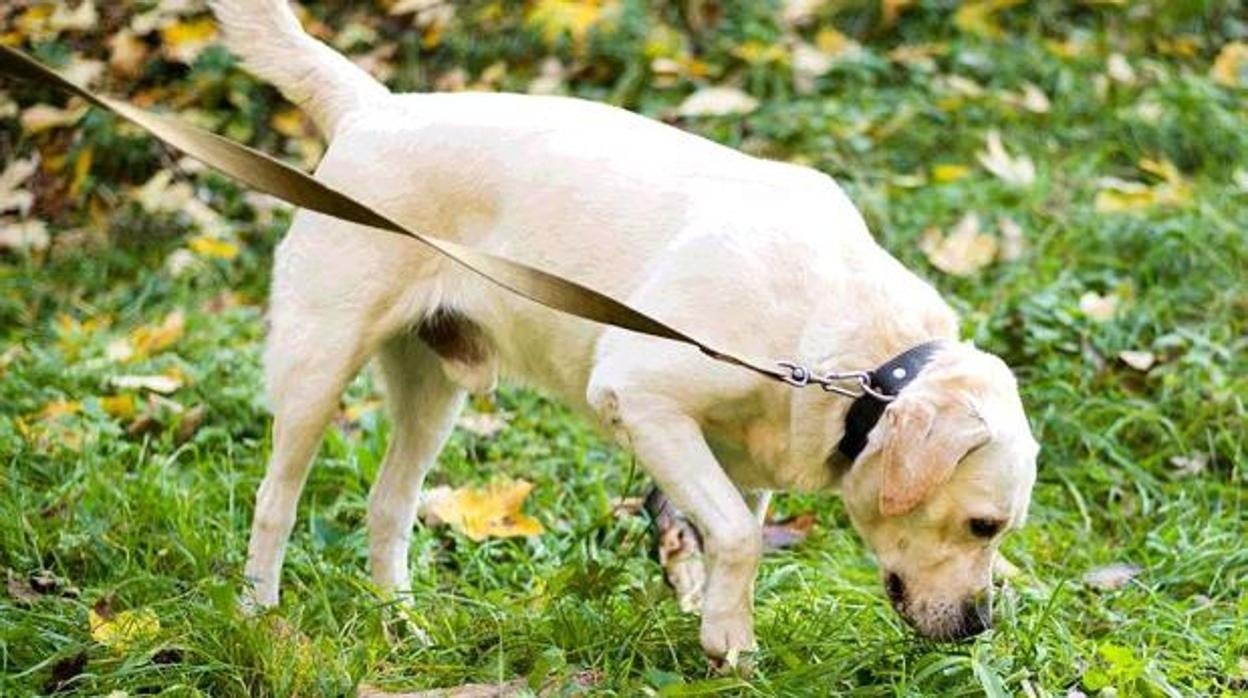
x: 1106, y: 263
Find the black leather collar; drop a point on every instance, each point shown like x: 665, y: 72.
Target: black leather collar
x: 888, y: 378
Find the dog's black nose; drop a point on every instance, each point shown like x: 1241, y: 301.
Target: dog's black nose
x: 896, y: 589
x: 976, y: 617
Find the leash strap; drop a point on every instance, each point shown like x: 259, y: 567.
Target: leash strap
x: 264, y: 173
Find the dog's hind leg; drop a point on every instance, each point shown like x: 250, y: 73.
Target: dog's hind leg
x: 423, y: 404
x: 311, y: 356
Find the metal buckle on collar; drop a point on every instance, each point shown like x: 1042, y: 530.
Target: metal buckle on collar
x: 799, y: 376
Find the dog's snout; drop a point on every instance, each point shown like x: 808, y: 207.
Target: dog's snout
x: 976, y: 616
x: 896, y: 589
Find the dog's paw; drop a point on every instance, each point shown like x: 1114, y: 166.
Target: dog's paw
x: 725, y: 637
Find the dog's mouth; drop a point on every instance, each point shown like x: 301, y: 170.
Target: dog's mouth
x: 940, y: 621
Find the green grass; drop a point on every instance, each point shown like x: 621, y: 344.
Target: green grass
x: 154, y: 521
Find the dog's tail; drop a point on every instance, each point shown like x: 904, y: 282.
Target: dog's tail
x: 267, y: 36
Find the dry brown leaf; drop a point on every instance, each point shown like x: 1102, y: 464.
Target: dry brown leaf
x: 489, y: 512
x: 1016, y: 170
x: 152, y: 339
x: 717, y: 101
x: 1230, y: 68
x: 127, y: 54
x: 12, y: 196
x: 679, y: 549
x: 787, y: 533
x: 1139, y: 360
x: 45, y: 117
x: 1111, y: 577
x: 1098, y: 308
x: 161, y: 194
x: 964, y: 251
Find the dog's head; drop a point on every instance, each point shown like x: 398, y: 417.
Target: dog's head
x: 946, y: 473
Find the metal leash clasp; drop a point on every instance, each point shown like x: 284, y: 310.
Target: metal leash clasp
x: 799, y: 376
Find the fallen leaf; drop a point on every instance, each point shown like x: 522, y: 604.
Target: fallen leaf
x: 1013, y: 241
x: 57, y: 409
x: 1190, y: 465
x: 554, y: 19
x: 489, y: 512
x: 1240, y: 177
x: 1031, y: 98
x: 83, y: 71
x: 1139, y: 360
x: 20, y: 590
x: 213, y: 247
x: 127, y: 54
x: 153, y: 339
x: 183, y: 41
x: 163, y: 383
x: 1120, y: 196
x: 979, y: 17
x: 119, y: 406
x: 1099, y: 308
x: 1018, y: 171
x: 12, y: 196
x: 161, y: 194
x: 122, y: 631
x: 27, y: 236
x: 717, y: 101
x: 484, y: 424
x: 797, y: 13
x: 1111, y: 577
x: 1230, y: 68
x: 1119, y: 69
x: 190, y: 423
x: 65, y: 670
x: 787, y: 533
x: 891, y: 10
x: 964, y: 251
x: 946, y: 173
x: 8, y: 108
x: 45, y: 117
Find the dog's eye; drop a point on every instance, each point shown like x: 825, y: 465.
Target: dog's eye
x: 985, y: 528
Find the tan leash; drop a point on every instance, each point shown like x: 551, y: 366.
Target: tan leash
x: 264, y: 173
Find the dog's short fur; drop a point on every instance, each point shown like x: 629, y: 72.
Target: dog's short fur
x: 762, y: 257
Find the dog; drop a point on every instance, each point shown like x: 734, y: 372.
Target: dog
x: 768, y: 258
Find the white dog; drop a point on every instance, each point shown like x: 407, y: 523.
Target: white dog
x: 763, y: 257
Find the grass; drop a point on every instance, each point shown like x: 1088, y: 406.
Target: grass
x: 156, y: 518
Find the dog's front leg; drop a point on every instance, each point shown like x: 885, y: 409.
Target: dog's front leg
x: 671, y: 446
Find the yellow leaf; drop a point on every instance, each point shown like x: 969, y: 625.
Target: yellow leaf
x: 82, y: 168
x: 964, y: 251
x: 151, y: 339
x: 184, y: 40
x: 555, y: 18
x: 943, y: 174
x: 1230, y: 68
x: 123, y: 630
x: 979, y: 17
x: 490, y: 512
x: 209, y: 246
x: 119, y: 406
x: 59, y: 408
x: 292, y: 123
x: 1119, y: 196
x: 759, y: 53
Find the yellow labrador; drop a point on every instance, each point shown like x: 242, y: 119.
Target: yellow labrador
x: 767, y: 258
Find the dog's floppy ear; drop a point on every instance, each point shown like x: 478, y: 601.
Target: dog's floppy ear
x: 921, y: 446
